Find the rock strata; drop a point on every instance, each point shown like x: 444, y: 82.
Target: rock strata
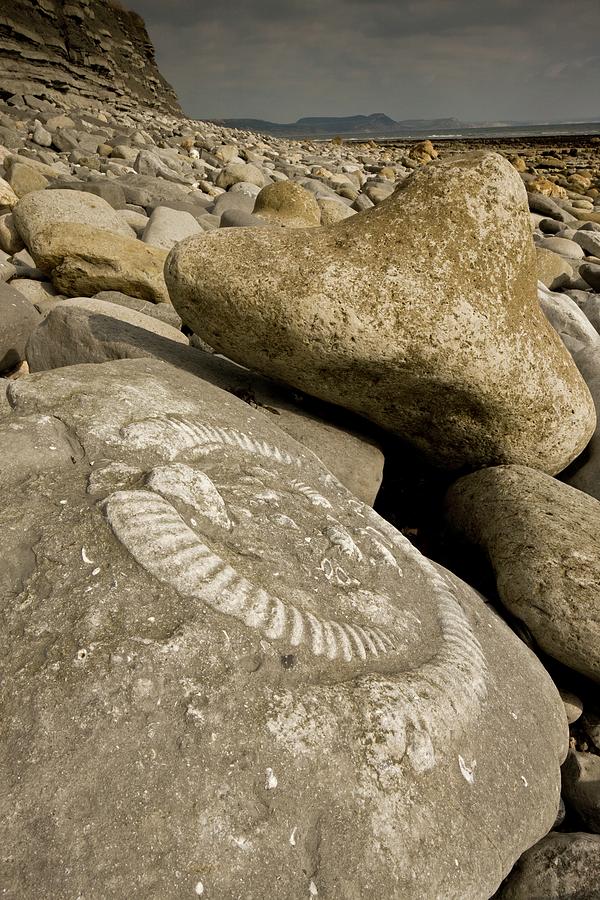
x: 74, y: 51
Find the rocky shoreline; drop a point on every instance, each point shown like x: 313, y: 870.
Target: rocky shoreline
x: 300, y: 512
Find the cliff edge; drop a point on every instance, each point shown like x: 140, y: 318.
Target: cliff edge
x: 77, y: 51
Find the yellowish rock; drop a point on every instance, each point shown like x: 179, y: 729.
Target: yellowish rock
x: 83, y: 260
x: 7, y: 195
x: 288, y: 203
x: 421, y: 314
x: 543, y: 185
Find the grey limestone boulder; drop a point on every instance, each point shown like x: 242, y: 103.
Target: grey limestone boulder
x: 18, y: 318
x: 169, y: 226
x: 87, y: 331
x: 559, y: 867
x: 211, y: 648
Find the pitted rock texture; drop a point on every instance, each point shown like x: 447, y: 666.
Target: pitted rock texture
x: 73, y: 51
x: 420, y: 314
x: 223, y: 654
x: 541, y: 538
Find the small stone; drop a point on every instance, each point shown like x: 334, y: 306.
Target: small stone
x: 235, y: 172
x: 24, y: 179
x: 552, y: 270
x: 41, y: 136
x: 562, y: 246
x: 7, y: 195
x: 590, y: 272
x: 11, y: 241
x: 332, y: 211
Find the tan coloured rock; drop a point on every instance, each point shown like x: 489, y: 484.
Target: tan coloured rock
x: 24, y: 179
x: 7, y: 195
x: 332, y: 211
x: 421, y: 315
x: 40, y: 212
x: 10, y: 239
x: 552, y: 269
x: 237, y: 172
x: 543, y: 185
x: 83, y: 261
x: 288, y: 203
x: 541, y: 538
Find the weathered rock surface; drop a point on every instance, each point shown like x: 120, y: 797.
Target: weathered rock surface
x: 581, y: 787
x: 162, y: 311
x: 336, y: 705
x: 91, y: 331
x: 580, y: 337
x: 168, y: 226
x: 436, y: 334
x: 74, y: 51
x: 83, y: 260
x: 542, y: 540
x: 41, y: 213
x: 287, y: 203
x: 552, y: 270
x: 18, y: 318
x: 560, y: 867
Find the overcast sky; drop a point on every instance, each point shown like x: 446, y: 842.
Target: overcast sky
x: 478, y: 60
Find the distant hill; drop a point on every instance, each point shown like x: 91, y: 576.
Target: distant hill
x: 325, y: 126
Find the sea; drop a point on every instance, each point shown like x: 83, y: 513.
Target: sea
x: 499, y: 132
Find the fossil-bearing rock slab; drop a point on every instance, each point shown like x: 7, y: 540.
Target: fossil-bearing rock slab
x: 81, y: 330
x: 222, y: 673
x: 420, y: 314
x: 542, y: 539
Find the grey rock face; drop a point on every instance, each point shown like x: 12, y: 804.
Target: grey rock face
x: 581, y: 787
x: 559, y: 867
x: 541, y: 538
x: 563, y: 246
x: 18, y: 318
x: 84, y: 50
x: 579, y: 334
x: 169, y: 226
x: 589, y: 241
x: 249, y: 646
x: 162, y: 311
x: 590, y: 272
x: 87, y: 331
x: 94, y: 330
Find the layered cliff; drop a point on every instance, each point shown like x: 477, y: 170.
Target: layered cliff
x: 77, y: 51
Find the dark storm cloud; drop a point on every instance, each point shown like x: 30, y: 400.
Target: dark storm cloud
x: 473, y: 59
